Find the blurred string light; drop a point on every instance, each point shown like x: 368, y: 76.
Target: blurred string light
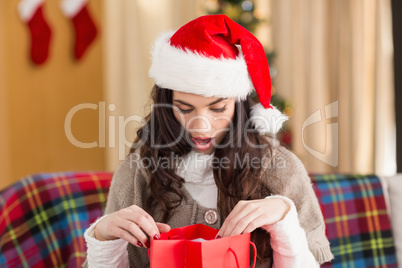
x: 288, y: 111
x: 241, y: 11
x: 247, y: 5
x: 258, y: 13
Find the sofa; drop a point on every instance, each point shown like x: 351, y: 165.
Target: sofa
x: 359, y: 213
x: 43, y: 218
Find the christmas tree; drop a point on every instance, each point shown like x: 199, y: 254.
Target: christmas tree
x: 244, y: 13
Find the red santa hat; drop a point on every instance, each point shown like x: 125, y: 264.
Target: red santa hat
x: 214, y: 56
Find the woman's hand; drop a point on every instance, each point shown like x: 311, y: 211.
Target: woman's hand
x: 249, y: 215
x: 131, y: 224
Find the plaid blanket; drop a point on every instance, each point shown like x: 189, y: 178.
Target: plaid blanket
x: 43, y: 218
x: 357, y: 222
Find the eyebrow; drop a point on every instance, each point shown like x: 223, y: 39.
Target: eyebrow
x: 212, y: 103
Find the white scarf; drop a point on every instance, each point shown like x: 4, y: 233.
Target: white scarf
x: 197, y: 172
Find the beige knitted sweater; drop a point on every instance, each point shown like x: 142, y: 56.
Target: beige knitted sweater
x: 285, y: 176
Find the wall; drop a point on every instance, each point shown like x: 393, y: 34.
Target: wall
x: 35, y: 100
x: 130, y: 30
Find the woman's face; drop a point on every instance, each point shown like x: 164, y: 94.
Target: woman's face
x: 207, y: 119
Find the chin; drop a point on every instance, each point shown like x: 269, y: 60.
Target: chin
x: 208, y: 151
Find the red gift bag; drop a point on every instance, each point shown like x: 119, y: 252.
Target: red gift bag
x: 179, y: 249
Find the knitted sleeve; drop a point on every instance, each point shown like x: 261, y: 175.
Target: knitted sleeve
x: 285, y: 175
x: 129, y: 187
x: 121, y: 192
x: 111, y: 253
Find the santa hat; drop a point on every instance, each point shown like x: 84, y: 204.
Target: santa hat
x: 214, y: 56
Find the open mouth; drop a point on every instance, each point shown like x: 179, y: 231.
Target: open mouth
x: 202, y: 143
x: 202, y: 140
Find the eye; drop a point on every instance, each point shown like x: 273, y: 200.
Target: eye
x: 183, y: 111
x: 220, y: 110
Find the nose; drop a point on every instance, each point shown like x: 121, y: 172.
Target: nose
x: 199, y: 124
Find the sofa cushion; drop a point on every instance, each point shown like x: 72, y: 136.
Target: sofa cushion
x: 43, y: 218
x: 358, y: 226
x: 394, y: 186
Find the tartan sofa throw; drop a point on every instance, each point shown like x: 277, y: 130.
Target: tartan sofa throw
x: 357, y: 224
x: 43, y: 218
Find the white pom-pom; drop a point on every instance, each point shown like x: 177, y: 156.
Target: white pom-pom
x: 267, y: 121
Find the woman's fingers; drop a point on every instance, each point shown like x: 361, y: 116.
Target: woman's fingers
x: 135, y: 231
x: 148, y: 226
x: 130, y: 238
x: 241, y: 223
x: 249, y: 215
x: 256, y: 223
x: 143, y: 220
x: 163, y: 227
x: 239, y: 219
x: 132, y: 224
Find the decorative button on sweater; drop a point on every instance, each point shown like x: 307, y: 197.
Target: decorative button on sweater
x: 211, y: 216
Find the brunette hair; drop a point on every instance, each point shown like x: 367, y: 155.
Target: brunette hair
x: 158, y: 139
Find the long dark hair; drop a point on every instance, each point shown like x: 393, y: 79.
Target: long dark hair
x: 238, y: 180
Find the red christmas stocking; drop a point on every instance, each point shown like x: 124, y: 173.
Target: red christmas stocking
x: 84, y: 27
x: 31, y: 13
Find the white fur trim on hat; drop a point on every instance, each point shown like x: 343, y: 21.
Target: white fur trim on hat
x: 191, y: 72
x: 27, y: 8
x: 267, y: 120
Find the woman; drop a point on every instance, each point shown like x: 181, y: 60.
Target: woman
x: 202, y: 157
